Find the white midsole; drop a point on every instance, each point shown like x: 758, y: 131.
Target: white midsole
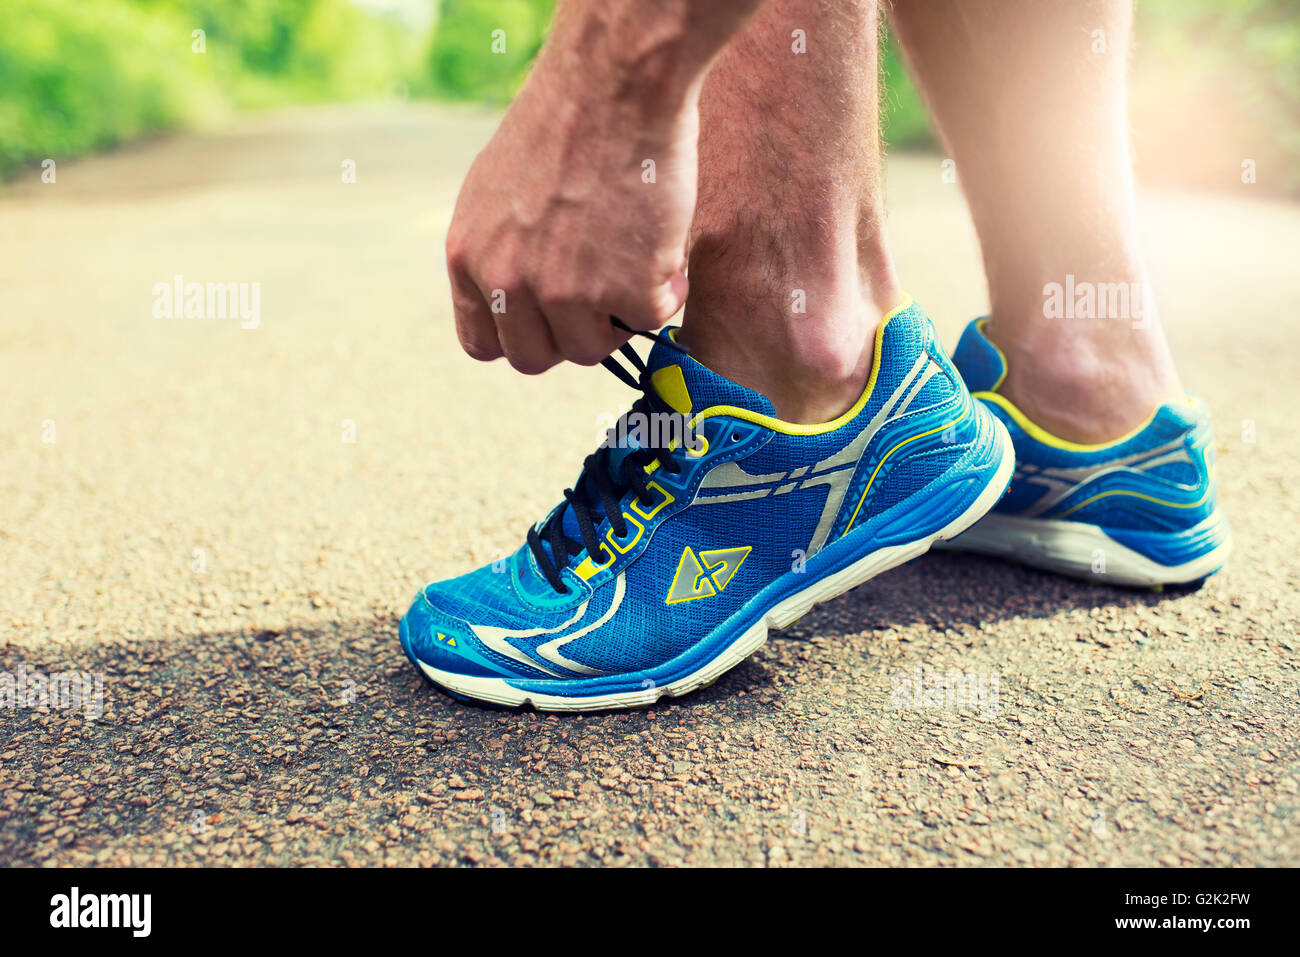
x: 1080, y: 550
x: 780, y: 615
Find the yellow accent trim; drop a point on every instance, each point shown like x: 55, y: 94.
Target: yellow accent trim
x: 649, y: 469
x: 710, y: 567
x: 703, y: 573
x: 920, y: 435
x: 1040, y: 434
x: 980, y: 324
x: 671, y: 386
x: 795, y: 428
x: 623, y: 549
x: 586, y: 568
x: 1209, y: 489
x: 706, y: 572
x: 667, y: 497
x: 1035, y: 430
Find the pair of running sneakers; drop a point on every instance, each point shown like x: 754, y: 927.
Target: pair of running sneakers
x: 706, y: 521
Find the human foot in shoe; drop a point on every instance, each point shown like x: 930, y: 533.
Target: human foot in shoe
x: 1138, y: 510
x: 711, y: 522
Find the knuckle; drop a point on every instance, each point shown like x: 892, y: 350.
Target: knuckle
x: 477, y: 343
x: 478, y: 350
x: 464, y: 300
x: 556, y: 296
x: 530, y: 364
x: 589, y: 340
x: 509, y: 282
x: 457, y: 253
x: 586, y: 355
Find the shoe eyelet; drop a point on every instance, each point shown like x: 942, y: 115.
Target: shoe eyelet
x: 737, y: 437
x: 704, y: 447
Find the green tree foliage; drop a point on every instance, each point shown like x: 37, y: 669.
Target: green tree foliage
x: 469, y: 59
x: 79, y: 75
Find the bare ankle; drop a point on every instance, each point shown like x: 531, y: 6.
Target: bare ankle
x: 807, y: 344
x: 1085, y: 381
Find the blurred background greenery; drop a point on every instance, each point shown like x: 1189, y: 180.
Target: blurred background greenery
x: 1215, y: 81
x: 80, y: 75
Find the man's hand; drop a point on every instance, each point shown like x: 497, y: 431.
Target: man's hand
x: 580, y: 205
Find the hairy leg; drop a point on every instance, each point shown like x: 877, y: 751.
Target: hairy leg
x: 789, y: 270
x: 1030, y: 99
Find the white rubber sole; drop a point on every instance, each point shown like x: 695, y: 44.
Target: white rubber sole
x: 780, y: 615
x: 1080, y: 550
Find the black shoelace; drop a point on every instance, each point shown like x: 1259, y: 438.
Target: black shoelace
x: 597, y: 486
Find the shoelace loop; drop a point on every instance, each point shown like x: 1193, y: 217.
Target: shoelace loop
x: 596, y: 485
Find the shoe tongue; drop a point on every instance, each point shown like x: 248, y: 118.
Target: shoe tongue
x: 687, y: 387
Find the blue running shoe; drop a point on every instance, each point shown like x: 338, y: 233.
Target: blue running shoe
x: 1140, y: 510
x: 708, y: 522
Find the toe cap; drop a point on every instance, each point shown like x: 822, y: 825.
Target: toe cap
x: 442, y: 641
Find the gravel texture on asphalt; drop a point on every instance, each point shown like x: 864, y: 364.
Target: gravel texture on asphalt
x: 225, y: 523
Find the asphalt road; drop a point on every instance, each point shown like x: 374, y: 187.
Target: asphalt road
x: 223, y: 524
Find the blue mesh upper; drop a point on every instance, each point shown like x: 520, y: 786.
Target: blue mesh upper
x: 789, y: 498
x: 981, y: 365
x: 1160, y: 478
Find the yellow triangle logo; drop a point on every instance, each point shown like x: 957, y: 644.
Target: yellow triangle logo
x: 705, y: 574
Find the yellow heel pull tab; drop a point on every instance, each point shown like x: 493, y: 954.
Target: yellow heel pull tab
x: 671, y: 386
